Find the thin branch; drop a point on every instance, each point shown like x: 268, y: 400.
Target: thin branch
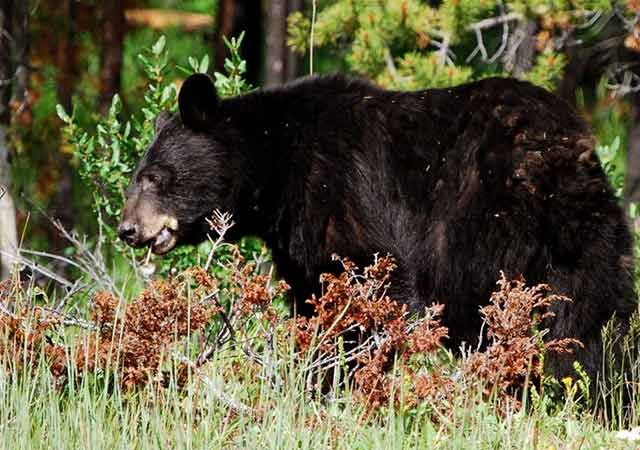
x: 622, y: 81
x: 55, y: 257
x: 503, y: 43
x: 443, y: 51
x: 493, y: 21
x: 64, y: 319
x: 36, y: 268
x: 4, y: 310
x: 593, y: 18
x: 209, y: 351
x: 312, y: 35
x: 391, y: 66
x: 221, y: 223
x: 69, y: 320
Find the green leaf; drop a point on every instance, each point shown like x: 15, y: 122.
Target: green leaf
x: 615, y: 145
x: 193, y: 63
x: 204, y: 64
x: 158, y: 46
x: 63, y: 114
x: 115, y: 106
x: 167, y: 94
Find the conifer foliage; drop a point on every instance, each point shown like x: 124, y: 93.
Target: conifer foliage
x: 409, y: 44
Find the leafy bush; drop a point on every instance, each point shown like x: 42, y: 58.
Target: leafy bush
x: 108, y: 155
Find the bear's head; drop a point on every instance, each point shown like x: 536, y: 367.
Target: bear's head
x: 185, y: 174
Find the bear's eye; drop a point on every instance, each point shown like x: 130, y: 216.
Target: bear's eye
x: 150, y: 180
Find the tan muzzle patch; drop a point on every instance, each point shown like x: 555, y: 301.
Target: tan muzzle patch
x: 153, y: 228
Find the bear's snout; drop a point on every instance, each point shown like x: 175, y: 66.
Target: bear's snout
x: 144, y: 224
x: 128, y: 231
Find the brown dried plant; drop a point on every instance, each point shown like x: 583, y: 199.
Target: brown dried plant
x: 386, y: 351
x: 351, y: 302
x: 24, y: 333
x: 134, y: 339
x: 356, y: 302
x: 356, y: 309
x: 515, y: 354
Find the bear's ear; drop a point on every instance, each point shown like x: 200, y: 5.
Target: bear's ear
x: 198, y: 101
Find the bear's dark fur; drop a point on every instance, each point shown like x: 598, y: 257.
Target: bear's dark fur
x: 457, y: 184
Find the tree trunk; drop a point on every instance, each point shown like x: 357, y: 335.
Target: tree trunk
x: 6, y: 65
x: 276, y: 35
x: 13, y: 30
x: 67, y: 72
x: 66, y: 57
x: 8, y: 230
x: 233, y: 17
x: 111, y: 55
x: 632, y: 185
x: 21, y: 53
x: 281, y: 63
x: 518, y: 58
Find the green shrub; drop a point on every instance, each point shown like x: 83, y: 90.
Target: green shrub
x: 108, y: 154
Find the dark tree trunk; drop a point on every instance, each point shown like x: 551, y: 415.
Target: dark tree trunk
x: 586, y: 64
x: 66, y: 57
x: 235, y: 16
x: 21, y: 52
x: 574, y: 73
x: 67, y: 75
x: 6, y: 66
x: 632, y: 188
x: 113, y: 28
x: 280, y: 62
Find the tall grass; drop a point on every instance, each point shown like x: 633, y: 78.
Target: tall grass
x: 255, y: 391
x: 33, y: 414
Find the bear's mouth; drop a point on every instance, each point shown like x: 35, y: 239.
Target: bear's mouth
x: 164, y: 241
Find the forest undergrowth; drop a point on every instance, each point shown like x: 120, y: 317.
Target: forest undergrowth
x: 217, y: 343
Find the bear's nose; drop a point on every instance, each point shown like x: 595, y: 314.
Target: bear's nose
x: 127, y: 232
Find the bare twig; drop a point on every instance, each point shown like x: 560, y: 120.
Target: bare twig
x: 4, y: 310
x: 622, y: 81
x: 592, y: 18
x: 391, y: 66
x: 443, y: 50
x: 55, y: 257
x: 68, y: 320
x: 60, y: 317
x: 221, y: 223
x: 209, y: 351
x: 491, y: 22
x: 36, y: 268
x: 312, y: 35
x: 503, y: 42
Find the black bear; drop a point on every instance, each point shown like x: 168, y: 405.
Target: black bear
x: 457, y: 184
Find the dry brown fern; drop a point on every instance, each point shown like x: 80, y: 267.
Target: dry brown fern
x: 135, y: 338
